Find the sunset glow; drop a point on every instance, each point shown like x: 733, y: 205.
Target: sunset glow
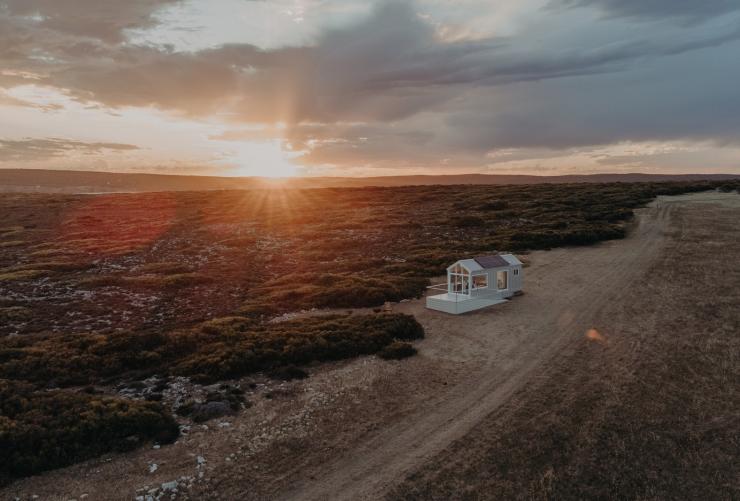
x: 264, y: 159
x: 389, y: 87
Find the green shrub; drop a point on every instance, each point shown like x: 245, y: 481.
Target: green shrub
x: 41, y: 430
x: 330, y: 291
x: 396, y: 351
x: 212, y: 351
x: 297, y: 342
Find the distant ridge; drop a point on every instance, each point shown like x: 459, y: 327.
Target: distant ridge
x: 57, y: 181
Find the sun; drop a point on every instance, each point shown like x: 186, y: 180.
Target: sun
x: 264, y: 159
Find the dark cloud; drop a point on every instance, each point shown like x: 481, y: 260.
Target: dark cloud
x: 689, y: 11
x: 26, y: 150
x: 389, y: 67
x: 389, y: 90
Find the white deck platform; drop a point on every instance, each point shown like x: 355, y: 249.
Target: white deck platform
x: 458, y: 303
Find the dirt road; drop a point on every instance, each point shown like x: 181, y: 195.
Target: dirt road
x: 355, y: 429
x: 501, y: 349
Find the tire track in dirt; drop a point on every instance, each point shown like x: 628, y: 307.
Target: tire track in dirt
x: 580, y: 281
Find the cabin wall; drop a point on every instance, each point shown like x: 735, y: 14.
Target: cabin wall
x: 516, y: 281
x: 515, y: 284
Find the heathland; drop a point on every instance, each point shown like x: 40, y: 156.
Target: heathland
x: 101, y: 296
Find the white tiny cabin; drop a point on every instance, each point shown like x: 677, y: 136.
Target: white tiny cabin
x: 479, y: 282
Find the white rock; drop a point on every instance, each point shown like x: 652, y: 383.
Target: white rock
x: 155, y: 446
x: 153, y: 467
x: 169, y: 486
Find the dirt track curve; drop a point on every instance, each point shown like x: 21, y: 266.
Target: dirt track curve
x: 503, y: 347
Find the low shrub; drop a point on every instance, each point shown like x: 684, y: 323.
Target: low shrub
x: 41, y: 430
x: 330, y: 291
x: 233, y: 353
x: 212, y: 351
x: 468, y: 222
x: 396, y: 351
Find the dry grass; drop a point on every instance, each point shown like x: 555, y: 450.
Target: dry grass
x: 12, y: 243
x: 26, y: 274
x: 60, y: 266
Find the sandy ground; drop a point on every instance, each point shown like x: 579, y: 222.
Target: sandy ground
x: 354, y: 430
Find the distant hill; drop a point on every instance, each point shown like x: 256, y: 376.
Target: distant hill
x: 56, y: 181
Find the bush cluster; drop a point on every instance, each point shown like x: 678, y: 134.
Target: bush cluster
x: 210, y: 352
x: 299, y: 291
x: 40, y: 430
x: 397, y: 350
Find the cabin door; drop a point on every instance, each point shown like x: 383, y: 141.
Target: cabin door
x: 459, y: 283
x: 502, y: 280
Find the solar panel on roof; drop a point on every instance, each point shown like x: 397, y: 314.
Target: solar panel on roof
x: 491, y: 261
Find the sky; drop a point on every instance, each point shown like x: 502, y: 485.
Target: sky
x: 363, y: 88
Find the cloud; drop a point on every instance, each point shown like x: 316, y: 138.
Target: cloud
x: 105, y: 20
x: 35, y: 149
x: 387, y: 67
x: 389, y: 90
x: 688, y: 11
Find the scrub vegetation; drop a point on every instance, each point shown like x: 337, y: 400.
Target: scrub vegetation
x: 40, y: 430
x: 108, y: 288
x: 210, y: 352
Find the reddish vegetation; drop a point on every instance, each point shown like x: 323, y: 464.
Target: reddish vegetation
x: 99, y: 227
x: 165, y: 260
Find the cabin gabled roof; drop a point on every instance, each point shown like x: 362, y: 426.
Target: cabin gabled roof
x: 471, y: 265
x: 481, y: 263
x: 511, y: 259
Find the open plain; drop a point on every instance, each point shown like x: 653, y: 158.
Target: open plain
x: 616, y: 371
